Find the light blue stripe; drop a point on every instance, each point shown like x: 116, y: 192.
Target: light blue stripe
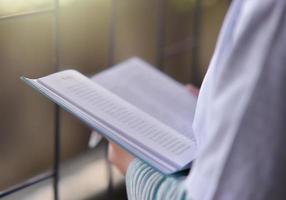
x: 144, y: 183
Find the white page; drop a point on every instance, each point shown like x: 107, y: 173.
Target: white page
x: 134, y: 124
x: 102, y: 128
x: 152, y: 91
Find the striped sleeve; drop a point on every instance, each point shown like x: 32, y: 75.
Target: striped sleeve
x: 144, y: 183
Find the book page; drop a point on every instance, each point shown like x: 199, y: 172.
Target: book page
x: 152, y: 91
x: 138, y: 127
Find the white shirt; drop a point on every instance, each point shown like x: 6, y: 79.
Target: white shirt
x: 244, y: 44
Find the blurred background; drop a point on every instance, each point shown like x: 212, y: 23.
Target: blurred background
x: 38, y: 37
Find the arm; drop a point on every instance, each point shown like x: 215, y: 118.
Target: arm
x: 143, y: 182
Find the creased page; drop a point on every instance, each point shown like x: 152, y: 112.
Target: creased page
x: 152, y: 91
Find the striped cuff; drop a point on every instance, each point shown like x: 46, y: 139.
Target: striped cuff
x: 143, y: 182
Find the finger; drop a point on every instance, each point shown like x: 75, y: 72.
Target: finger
x: 194, y: 90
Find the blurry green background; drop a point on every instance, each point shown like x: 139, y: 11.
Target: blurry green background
x: 27, y: 47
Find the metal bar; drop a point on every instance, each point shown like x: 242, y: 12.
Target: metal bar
x: 57, y: 148
x: 26, y: 184
x: 57, y: 136
x: 26, y: 14
x: 161, y: 23
x: 109, y: 191
x: 195, y: 61
x: 112, y: 33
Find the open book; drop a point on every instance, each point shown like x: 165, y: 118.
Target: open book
x: 134, y: 105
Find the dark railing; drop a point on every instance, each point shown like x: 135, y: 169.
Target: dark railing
x: 55, y: 174
x: 162, y: 53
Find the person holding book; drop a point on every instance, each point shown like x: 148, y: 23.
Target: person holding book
x: 236, y: 140
x: 240, y: 117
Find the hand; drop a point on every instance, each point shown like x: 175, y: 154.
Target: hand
x: 193, y: 89
x: 119, y: 157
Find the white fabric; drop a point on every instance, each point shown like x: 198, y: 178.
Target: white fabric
x: 244, y: 42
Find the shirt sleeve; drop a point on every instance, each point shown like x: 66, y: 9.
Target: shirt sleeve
x: 143, y: 182
x: 244, y: 153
